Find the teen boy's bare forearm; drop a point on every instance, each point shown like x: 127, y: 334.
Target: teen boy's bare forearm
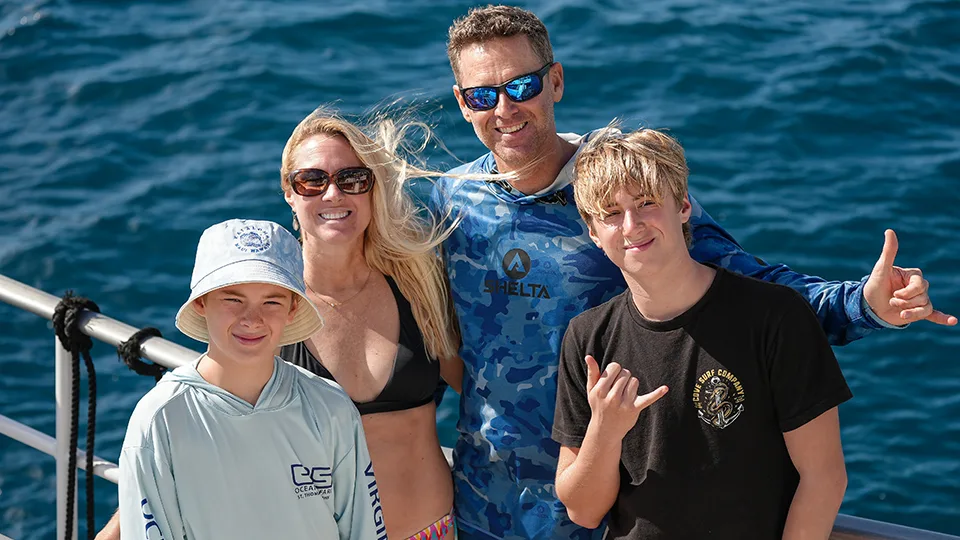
x: 588, y: 478
x: 816, y: 453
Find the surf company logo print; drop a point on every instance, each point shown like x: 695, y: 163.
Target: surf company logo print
x: 251, y: 239
x: 311, y: 481
x: 516, y: 265
x: 718, y: 397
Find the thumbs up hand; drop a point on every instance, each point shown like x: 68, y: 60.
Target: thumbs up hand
x: 899, y: 295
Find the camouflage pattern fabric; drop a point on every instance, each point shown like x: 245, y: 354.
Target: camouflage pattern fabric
x: 520, y: 267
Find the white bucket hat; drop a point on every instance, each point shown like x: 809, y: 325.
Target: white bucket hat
x: 248, y: 251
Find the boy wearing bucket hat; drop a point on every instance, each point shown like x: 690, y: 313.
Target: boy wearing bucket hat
x: 240, y: 444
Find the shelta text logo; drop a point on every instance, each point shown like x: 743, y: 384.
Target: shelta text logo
x: 516, y: 265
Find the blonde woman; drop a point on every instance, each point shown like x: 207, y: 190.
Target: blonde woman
x: 371, y: 265
x: 372, y: 268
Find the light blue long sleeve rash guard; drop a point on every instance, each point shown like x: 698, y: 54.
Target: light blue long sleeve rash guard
x: 200, y: 463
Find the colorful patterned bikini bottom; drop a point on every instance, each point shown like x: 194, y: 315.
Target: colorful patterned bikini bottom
x: 444, y: 529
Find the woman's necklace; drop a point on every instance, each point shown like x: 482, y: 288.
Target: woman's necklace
x: 335, y: 304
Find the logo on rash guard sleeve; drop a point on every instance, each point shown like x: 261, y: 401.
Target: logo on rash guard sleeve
x: 149, y: 522
x: 375, y: 502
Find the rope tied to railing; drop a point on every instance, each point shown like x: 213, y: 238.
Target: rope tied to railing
x: 66, y: 324
x: 129, y: 354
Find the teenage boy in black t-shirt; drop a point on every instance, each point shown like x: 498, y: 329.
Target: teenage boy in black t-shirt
x: 746, y: 442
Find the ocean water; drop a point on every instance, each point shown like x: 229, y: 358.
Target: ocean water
x: 810, y: 127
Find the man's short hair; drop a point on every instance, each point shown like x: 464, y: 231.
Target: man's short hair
x: 646, y: 160
x: 482, y: 24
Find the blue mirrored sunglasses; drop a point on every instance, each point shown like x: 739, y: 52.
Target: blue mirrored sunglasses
x: 522, y: 88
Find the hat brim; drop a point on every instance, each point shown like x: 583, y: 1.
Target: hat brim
x: 305, y: 323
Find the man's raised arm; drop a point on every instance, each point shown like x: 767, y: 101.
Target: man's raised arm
x: 889, y: 297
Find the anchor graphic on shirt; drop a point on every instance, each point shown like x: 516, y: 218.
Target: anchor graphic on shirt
x: 716, y: 410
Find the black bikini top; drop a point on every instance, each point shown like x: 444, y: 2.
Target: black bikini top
x: 415, y: 376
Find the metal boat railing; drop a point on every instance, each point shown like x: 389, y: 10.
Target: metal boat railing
x: 171, y: 355
x: 97, y: 326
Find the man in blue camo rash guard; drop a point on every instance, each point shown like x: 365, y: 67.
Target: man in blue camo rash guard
x: 521, y: 265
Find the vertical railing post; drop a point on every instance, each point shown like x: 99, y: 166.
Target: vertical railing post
x: 64, y: 384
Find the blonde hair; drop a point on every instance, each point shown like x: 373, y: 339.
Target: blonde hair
x: 482, y: 24
x: 399, y: 242
x: 646, y: 160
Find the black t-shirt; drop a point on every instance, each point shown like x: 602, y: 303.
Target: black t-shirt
x: 746, y: 363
